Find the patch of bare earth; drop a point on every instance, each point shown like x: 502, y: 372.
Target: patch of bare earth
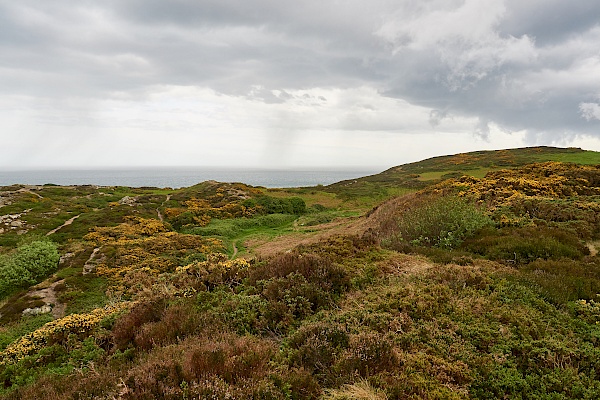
x: 304, y: 235
x: 593, y: 247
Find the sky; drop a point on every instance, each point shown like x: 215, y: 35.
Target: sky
x: 286, y: 84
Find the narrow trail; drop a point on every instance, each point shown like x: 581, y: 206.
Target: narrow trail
x: 160, y: 216
x: 28, y: 190
x: 235, y: 251
x: 88, y: 266
x: 67, y: 222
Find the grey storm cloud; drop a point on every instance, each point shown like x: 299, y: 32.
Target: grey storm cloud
x: 531, y: 65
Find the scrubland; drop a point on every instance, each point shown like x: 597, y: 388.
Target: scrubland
x: 468, y: 276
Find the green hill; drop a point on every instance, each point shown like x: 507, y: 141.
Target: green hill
x: 423, y: 173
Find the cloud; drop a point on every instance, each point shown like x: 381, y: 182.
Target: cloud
x: 481, y: 67
x: 590, y: 111
x: 468, y: 59
x: 436, y: 117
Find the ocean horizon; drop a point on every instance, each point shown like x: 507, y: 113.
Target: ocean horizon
x: 177, y: 177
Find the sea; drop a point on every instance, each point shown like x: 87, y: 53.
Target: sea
x: 177, y: 177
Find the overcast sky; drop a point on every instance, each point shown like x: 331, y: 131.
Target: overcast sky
x: 272, y: 83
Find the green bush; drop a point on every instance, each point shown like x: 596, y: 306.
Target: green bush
x: 272, y: 205
x: 442, y: 222
x: 30, y: 264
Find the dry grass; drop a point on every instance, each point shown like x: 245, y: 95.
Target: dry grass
x: 360, y: 390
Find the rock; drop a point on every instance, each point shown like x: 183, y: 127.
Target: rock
x: 45, y: 309
x: 127, y: 200
x: 64, y: 258
x: 16, y: 224
x: 90, y: 265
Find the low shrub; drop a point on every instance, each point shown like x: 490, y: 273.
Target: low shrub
x: 316, y: 348
x: 314, y: 268
x: 526, y: 244
x: 273, y: 205
x: 565, y: 280
x: 127, y: 326
x: 177, y: 322
x: 367, y: 353
x: 226, y: 367
x: 233, y: 358
x: 443, y: 222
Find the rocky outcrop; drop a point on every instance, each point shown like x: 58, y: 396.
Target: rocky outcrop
x: 128, y: 200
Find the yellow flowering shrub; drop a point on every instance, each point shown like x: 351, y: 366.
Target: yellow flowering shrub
x: 57, y: 330
x: 131, y: 228
x: 196, y: 205
x: 216, y: 270
x: 136, y: 252
x: 214, y: 200
x: 552, y: 180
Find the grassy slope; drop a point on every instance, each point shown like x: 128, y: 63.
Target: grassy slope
x: 339, y: 318
x: 475, y: 164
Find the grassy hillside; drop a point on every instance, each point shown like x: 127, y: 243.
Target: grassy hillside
x: 466, y: 276
x: 477, y: 164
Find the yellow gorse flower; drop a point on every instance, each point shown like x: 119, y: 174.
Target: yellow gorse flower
x: 74, y: 323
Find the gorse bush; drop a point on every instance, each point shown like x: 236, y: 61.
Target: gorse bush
x: 441, y: 222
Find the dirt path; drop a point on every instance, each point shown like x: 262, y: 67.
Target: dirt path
x: 235, y: 251
x: 28, y: 190
x: 160, y: 216
x: 307, y: 235
x: 67, y: 222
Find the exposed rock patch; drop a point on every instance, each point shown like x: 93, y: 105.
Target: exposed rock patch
x: 90, y: 264
x: 13, y: 222
x: 48, y: 296
x: 128, y: 200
